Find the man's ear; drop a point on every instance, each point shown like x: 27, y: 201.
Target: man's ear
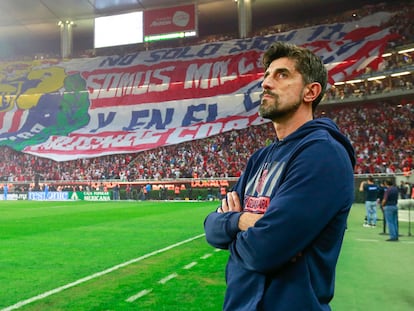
x: 311, y: 92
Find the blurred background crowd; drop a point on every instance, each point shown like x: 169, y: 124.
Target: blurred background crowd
x: 377, y: 115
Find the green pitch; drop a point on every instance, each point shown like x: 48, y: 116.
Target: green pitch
x: 153, y: 256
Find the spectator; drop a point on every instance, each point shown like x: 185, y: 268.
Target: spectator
x: 371, y: 191
x: 389, y: 204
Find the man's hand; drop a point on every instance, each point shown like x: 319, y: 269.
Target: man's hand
x: 248, y: 220
x: 232, y: 204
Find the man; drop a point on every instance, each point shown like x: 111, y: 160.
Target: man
x: 371, y: 194
x: 381, y: 192
x: 116, y: 191
x: 403, y: 190
x: 389, y: 203
x: 5, y: 191
x: 46, y: 191
x: 284, y: 222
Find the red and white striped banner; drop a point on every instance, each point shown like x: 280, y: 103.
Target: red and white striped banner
x: 81, y: 108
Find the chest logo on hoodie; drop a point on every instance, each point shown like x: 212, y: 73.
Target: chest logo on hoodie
x: 260, y: 187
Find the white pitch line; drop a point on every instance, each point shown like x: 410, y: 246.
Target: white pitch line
x: 96, y: 275
x: 190, y: 265
x: 206, y: 256
x: 168, y: 278
x: 367, y: 240
x: 139, y: 295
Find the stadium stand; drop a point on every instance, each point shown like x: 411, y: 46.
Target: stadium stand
x: 378, y: 121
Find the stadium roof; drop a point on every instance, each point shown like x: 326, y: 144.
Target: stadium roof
x: 30, y: 26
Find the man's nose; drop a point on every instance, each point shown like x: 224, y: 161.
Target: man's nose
x: 265, y: 84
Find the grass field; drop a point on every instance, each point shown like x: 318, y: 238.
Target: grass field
x: 153, y: 256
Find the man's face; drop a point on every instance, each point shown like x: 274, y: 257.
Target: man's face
x: 282, y: 90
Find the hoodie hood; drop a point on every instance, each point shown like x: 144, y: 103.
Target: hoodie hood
x: 329, y: 126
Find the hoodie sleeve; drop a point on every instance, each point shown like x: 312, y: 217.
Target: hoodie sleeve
x: 221, y: 228
x: 308, y: 208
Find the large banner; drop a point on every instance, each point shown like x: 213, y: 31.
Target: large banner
x: 82, y: 108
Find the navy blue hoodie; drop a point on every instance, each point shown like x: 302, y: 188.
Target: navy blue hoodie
x: 304, y: 186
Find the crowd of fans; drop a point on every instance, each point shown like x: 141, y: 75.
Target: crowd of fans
x: 381, y: 132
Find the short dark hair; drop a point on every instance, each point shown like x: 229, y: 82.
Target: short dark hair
x: 310, y: 66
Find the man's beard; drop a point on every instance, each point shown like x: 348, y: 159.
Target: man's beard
x: 276, y: 113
